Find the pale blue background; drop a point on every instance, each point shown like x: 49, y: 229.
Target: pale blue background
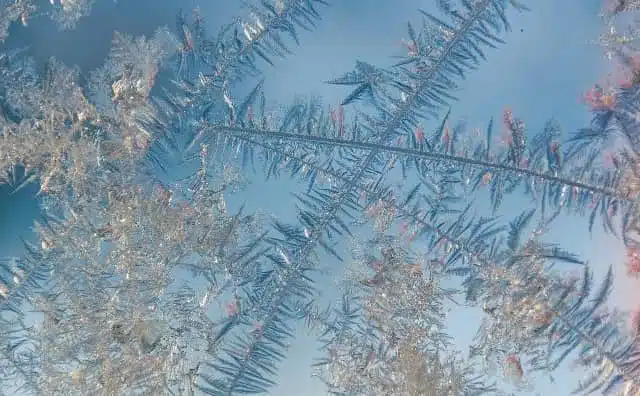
x: 540, y: 73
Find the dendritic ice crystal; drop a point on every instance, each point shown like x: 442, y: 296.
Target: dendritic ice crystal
x: 151, y: 271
